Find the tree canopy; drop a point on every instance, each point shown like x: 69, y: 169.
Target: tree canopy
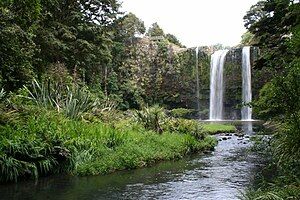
x: 155, y: 30
x: 275, y: 25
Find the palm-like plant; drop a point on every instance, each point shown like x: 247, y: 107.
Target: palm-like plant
x: 72, y: 102
x: 76, y: 102
x: 151, y: 118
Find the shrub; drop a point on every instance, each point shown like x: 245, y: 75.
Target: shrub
x: 43, y: 142
x: 185, y: 126
x: 152, y: 118
x: 32, y: 149
x: 72, y: 102
x: 182, y: 113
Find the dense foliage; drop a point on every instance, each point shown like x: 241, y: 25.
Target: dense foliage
x: 275, y: 26
x: 91, y: 43
x: 37, y: 140
x: 68, y: 68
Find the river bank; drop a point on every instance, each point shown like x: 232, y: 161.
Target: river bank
x: 39, y: 142
x: 221, y: 174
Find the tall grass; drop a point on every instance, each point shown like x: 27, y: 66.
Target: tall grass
x: 32, y: 149
x: 46, y: 142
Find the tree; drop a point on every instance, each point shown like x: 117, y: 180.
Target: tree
x: 272, y: 23
x: 247, y: 39
x: 155, y: 30
x: 17, y: 49
x: 132, y: 26
x: 36, y: 34
x: 275, y: 25
x: 276, y: 29
x: 77, y: 34
x: 173, y: 39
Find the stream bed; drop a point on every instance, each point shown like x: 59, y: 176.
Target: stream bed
x: 220, y: 175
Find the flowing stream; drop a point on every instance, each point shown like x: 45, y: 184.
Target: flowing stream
x: 216, y: 85
x: 220, y: 175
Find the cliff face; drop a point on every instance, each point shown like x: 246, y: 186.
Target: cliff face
x: 163, y: 72
x: 232, y: 82
x: 166, y: 74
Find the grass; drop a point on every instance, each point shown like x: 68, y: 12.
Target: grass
x: 214, y: 128
x: 42, y: 142
x: 275, y: 193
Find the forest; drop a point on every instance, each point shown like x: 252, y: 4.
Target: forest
x: 86, y: 89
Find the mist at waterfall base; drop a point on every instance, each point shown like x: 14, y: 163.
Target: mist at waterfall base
x: 217, y: 88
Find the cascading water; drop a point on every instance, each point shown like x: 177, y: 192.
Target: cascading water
x: 216, y: 85
x: 246, y: 74
x: 197, y: 80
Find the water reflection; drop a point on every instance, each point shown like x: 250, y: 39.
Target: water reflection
x: 221, y: 174
x: 247, y: 128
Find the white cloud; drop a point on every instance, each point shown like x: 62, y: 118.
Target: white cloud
x: 195, y: 22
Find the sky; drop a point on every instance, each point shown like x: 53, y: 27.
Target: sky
x: 195, y: 22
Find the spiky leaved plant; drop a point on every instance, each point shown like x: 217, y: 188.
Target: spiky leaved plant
x: 2, y: 94
x: 151, y: 118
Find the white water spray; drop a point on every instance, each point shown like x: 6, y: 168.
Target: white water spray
x: 216, y: 85
x: 246, y: 74
x: 197, y: 79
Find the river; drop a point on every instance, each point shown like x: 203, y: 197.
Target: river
x: 223, y: 174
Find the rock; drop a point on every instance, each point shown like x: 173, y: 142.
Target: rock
x: 228, y: 134
x: 224, y: 138
x: 247, y: 136
x: 239, y: 134
x: 205, y: 176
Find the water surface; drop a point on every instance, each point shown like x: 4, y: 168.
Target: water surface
x: 222, y: 174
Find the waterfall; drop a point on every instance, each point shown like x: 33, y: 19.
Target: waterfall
x: 246, y: 74
x: 216, y: 85
x: 197, y: 81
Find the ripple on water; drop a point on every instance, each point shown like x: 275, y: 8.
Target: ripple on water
x: 220, y: 175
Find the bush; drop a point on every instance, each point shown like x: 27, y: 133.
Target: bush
x: 182, y: 113
x: 32, y: 149
x: 44, y: 142
x: 184, y: 126
x: 152, y: 118
x: 72, y: 102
